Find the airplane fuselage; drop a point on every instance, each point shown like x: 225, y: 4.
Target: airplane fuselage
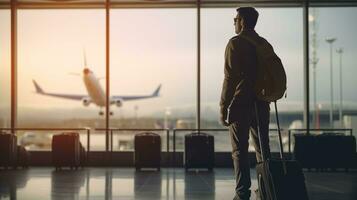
x: 95, y: 91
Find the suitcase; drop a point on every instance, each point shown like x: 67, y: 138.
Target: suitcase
x: 335, y: 150
x: 8, y: 150
x: 23, y: 157
x: 328, y: 150
x: 280, y: 179
x: 147, y: 150
x: 66, y: 150
x: 305, y: 151
x: 199, y: 151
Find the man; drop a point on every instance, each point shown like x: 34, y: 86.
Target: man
x: 238, y: 99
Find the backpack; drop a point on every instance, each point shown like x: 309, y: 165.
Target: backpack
x: 270, y: 84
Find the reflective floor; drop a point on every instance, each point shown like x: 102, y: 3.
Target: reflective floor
x: 125, y: 183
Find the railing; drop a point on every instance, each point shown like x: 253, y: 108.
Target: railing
x: 111, y: 130
x: 174, y: 131
x: 53, y: 129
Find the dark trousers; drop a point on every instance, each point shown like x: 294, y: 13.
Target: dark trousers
x: 239, y: 133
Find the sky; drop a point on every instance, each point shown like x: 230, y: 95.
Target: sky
x: 158, y: 46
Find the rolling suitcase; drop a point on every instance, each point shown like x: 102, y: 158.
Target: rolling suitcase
x: 23, y: 157
x: 147, y: 150
x: 199, y: 151
x: 8, y: 150
x: 279, y: 179
x: 66, y: 150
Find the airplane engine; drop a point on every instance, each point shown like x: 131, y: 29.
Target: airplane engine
x: 86, y: 101
x: 119, y: 102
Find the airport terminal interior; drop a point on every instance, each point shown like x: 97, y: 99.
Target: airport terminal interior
x: 84, y: 82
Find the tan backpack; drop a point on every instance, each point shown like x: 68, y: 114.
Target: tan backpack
x: 271, y: 78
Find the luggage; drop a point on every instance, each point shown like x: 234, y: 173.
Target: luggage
x: 8, y: 150
x: 328, y: 150
x: 280, y: 179
x: 199, y: 151
x: 147, y: 150
x: 23, y: 157
x: 270, y: 84
x: 66, y: 150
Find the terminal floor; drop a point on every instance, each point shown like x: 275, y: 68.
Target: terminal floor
x: 124, y: 183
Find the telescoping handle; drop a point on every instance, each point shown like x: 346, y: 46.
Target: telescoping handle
x: 258, y: 129
x: 280, y: 140
x: 279, y: 133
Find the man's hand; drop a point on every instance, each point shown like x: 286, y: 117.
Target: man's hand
x: 223, y: 119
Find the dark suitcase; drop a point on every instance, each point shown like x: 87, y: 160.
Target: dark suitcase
x: 335, y: 150
x: 23, y: 157
x: 147, y: 150
x: 66, y: 150
x: 279, y: 179
x: 306, y: 151
x: 328, y: 150
x: 8, y: 150
x: 199, y: 151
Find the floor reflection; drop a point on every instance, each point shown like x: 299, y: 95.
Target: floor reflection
x: 148, y: 184
x: 11, y: 181
x: 168, y: 184
x: 66, y: 184
x: 200, y: 184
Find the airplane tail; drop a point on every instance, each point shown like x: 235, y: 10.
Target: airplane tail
x: 157, y: 91
x: 38, y: 88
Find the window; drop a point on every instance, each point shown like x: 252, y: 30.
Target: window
x: 283, y: 28
x: 152, y: 51
x: 58, y: 50
x: 5, y: 68
x: 334, y: 47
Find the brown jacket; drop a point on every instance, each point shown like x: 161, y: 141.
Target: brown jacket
x: 240, y: 69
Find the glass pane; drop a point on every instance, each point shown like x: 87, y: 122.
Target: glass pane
x: 282, y: 27
x: 5, y: 68
x: 333, y: 59
x: 153, y: 70
x: 61, y: 65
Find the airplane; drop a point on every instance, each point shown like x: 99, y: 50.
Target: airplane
x: 96, y: 94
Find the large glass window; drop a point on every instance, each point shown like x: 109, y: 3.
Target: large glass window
x: 61, y: 70
x: 153, y: 70
x: 5, y: 68
x: 332, y: 80
x: 283, y: 28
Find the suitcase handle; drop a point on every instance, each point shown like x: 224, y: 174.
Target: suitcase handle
x: 279, y: 133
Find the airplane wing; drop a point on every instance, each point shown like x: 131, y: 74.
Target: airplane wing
x: 39, y: 90
x: 156, y: 93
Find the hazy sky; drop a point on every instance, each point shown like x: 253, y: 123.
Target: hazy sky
x: 153, y: 46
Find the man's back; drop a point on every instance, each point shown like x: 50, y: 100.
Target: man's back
x: 241, y: 71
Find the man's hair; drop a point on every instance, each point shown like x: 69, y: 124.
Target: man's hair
x: 249, y: 15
